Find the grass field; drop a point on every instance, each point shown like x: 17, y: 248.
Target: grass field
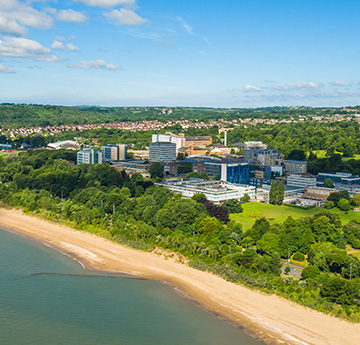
x: 356, y: 157
x: 277, y: 214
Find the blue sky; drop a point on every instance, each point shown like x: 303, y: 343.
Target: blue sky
x: 188, y: 53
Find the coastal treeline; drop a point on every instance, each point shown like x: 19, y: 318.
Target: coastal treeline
x: 135, y: 212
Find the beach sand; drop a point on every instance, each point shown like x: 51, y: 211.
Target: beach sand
x: 274, y: 319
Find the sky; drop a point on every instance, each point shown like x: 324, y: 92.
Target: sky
x: 231, y: 54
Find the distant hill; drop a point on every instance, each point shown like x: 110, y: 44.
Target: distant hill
x: 18, y: 115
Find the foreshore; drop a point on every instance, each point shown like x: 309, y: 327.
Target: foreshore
x: 272, y: 318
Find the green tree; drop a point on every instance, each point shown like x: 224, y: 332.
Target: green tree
x: 156, y: 170
x: 281, y: 192
x: 328, y: 183
x: 269, y: 243
x: 343, y: 204
x: 273, y: 195
x: 310, y: 272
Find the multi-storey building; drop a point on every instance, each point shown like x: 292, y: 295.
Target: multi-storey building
x: 162, y: 152
x: 237, y: 173
x: 114, y: 152
x: 178, y: 140
x: 295, y: 167
x: 89, y: 156
x: 297, y: 180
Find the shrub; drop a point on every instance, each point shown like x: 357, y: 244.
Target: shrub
x: 299, y: 257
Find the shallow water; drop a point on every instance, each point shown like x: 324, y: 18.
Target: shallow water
x: 48, y: 298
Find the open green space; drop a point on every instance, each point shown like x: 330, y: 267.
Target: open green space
x: 356, y: 157
x: 277, y: 214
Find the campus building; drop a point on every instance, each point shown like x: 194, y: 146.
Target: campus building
x: 215, y: 191
x: 238, y: 173
x: 296, y: 180
x: 162, y: 152
x: 295, y: 167
x: 89, y: 156
x: 114, y: 152
x: 178, y: 140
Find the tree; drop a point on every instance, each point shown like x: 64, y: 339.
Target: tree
x: 281, y: 192
x: 269, y: 243
x: 329, y: 204
x: 328, y: 183
x: 343, y: 204
x: 297, y: 155
x: 233, y: 206
x: 245, y: 198
x: 310, y: 272
x: 356, y: 199
x: 273, y: 192
x: 156, y: 170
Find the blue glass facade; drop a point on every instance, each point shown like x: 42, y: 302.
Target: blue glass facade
x: 237, y: 173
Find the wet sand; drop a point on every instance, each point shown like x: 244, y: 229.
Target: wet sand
x: 274, y: 319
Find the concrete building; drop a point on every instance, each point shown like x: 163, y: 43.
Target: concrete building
x: 198, y: 141
x: 297, y: 180
x: 162, y: 152
x: 133, y: 166
x: 318, y: 193
x: 178, y: 140
x: 114, y: 152
x: 215, y: 191
x: 251, y: 148
x: 295, y: 167
x: 89, y: 156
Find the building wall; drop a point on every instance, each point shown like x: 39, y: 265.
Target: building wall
x: 295, y: 167
x: 198, y: 141
x: 162, y: 152
x: 88, y: 156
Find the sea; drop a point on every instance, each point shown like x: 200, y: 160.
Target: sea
x: 48, y: 298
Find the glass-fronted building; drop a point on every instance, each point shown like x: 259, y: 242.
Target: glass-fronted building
x: 88, y: 156
x: 162, y: 152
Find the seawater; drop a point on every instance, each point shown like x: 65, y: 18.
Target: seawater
x: 48, y: 298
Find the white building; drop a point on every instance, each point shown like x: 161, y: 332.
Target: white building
x: 168, y: 137
x: 295, y: 180
x: 215, y: 191
x: 65, y: 144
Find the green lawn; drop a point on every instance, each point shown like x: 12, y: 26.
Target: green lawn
x: 256, y: 210
x: 356, y: 157
x: 2, y: 153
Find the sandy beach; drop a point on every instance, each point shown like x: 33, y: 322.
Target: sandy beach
x: 274, y: 319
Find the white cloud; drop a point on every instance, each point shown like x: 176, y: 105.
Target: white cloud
x: 125, y: 17
x: 4, y: 69
x: 25, y: 48
x: 70, y: 16
x: 57, y: 45
x: 301, y: 85
x: 185, y: 25
x: 60, y: 38
x: 16, y: 15
x: 95, y: 64
x: 108, y: 3
x: 72, y: 48
x: 340, y: 83
x: 9, y: 26
x: 252, y: 88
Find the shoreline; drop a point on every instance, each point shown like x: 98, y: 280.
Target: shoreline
x: 270, y: 318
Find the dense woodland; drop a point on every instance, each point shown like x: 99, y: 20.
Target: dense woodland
x: 135, y: 212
